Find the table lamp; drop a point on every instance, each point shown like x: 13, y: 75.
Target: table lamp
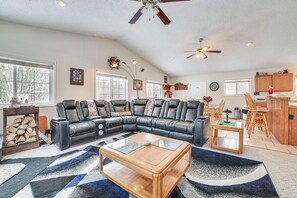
x: 227, y: 111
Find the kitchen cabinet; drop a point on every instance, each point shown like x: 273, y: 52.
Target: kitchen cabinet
x: 280, y: 82
x: 262, y: 83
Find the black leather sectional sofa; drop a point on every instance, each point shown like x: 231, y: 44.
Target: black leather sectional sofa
x: 177, y: 119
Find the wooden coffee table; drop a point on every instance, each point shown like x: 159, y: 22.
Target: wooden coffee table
x: 149, y: 171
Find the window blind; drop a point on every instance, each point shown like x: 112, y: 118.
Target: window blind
x: 26, y: 63
x: 110, y: 75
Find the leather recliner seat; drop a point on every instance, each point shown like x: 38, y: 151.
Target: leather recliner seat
x: 173, y: 118
x: 177, y: 119
x: 71, y: 124
x: 113, y: 124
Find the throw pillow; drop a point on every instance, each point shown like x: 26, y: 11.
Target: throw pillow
x: 149, y: 108
x: 92, y: 108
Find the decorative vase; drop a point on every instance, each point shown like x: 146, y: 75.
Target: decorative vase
x: 15, y: 102
x: 270, y: 90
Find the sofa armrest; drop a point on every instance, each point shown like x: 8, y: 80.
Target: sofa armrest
x: 92, y: 118
x: 201, y: 132
x: 60, y: 133
x: 58, y: 119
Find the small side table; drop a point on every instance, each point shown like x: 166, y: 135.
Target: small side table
x: 23, y: 110
x: 223, y: 143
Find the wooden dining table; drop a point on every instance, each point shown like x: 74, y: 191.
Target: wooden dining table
x: 210, y: 110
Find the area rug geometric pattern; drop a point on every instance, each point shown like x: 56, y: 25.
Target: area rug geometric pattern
x: 9, y: 170
x: 211, y: 174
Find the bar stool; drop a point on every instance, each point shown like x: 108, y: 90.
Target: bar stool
x: 257, y: 117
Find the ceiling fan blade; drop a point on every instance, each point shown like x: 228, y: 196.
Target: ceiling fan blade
x: 136, y: 16
x: 190, y: 51
x: 190, y: 56
x: 213, y: 51
x: 163, y: 16
x: 168, y: 1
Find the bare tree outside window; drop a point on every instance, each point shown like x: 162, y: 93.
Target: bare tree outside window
x: 110, y: 87
x: 25, y: 82
x: 6, y: 83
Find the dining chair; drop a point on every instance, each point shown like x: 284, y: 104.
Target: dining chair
x: 248, y: 117
x: 219, y: 111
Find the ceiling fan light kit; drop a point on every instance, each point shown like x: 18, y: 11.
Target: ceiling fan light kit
x: 152, y: 9
x: 202, y: 51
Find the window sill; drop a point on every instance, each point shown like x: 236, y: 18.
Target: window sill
x: 39, y: 105
x: 237, y: 95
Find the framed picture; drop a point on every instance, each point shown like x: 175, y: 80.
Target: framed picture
x: 137, y: 83
x: 76, y: 76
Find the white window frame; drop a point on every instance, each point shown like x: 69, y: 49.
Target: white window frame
x: 237, y: 81
x: 111, y: 83
x: 155, y: 83
x: 296, y: 85
x: 34, y: 64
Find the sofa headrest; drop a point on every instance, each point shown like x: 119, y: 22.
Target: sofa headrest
x: 159, y: 102
x: 193, y: 104
x: 69, y: 104
x: 84, y: 104
x: 173, y: 103
x: 118, y: 102
x: 140, y: 101
x: 100, y: 103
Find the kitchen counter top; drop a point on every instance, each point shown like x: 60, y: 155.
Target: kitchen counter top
x: 277, y: 98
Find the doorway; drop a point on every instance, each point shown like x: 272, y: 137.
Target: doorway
x: 198, y: 89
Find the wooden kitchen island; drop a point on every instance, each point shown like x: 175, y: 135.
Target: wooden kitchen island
x: 282, y: 119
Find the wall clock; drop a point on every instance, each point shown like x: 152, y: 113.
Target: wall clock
x: 214, y: 86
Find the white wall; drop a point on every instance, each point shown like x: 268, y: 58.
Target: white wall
x: 231, y: 101
x: 70, y: 50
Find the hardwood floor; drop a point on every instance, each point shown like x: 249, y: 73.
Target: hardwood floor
x: 258, y: 139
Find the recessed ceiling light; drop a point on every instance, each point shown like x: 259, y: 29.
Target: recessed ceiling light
x: 249, y: 44
x: 61, y: 3
x: 171, y: 58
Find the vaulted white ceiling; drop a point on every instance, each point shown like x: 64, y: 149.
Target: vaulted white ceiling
x: 224, y: 24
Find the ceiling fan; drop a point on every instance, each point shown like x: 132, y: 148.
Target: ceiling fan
x: 151, y: 6
x: 201, y: 51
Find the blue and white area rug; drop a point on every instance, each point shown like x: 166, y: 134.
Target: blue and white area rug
x: 211, y: 174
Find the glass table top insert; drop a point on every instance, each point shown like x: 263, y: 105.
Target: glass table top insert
x: 125, y: 146
x: 167, y: 144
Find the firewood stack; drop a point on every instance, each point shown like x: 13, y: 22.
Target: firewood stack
x: 23, y: 130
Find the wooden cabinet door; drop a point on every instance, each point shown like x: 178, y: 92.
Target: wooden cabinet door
x: 262, y: 83
x: 282, y: 82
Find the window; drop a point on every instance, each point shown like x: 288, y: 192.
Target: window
x: 111, y: 87
x: 27, y: 81
x: 237, y: 87
x: 153, y: 89
x: 295, y: 85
